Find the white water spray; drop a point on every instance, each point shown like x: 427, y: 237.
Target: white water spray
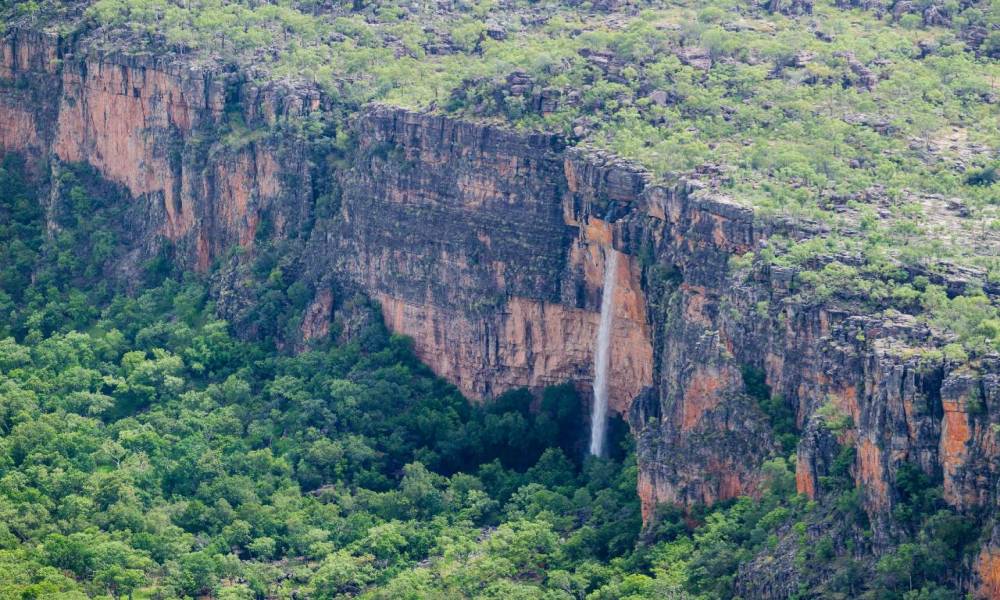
x: 602, y: 356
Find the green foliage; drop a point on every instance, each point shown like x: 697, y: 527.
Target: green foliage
x: 51, y: 282
x: 779, y: 413
x: 834, y: 419
x: 984, y: 176
x: 795, y: 132
x: 702, y: 562
x: 20, y: 231
x: 972, y: 317
x: 146, y: 452
x: 925, y: 567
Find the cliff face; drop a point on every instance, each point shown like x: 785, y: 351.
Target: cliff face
x: 487, y: 247
x: 459, y: 232
x: 153, y: 129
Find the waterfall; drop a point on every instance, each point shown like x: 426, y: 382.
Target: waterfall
x: 602, y: 356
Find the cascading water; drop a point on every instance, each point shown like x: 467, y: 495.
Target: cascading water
x: 602, y: 356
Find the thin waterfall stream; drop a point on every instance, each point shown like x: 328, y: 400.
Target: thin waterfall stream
x: 602, y: 356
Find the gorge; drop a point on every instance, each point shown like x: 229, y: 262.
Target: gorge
x: 513, y: 259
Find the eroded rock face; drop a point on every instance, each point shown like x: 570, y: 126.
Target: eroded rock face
x: 702, y: 439
x: 170, y: 134
x: 460, y: 232
x: 487, y: 247
x: 119, y: 120
x: 29, y: 71
x: 987, y: 568
x: 316, y: 321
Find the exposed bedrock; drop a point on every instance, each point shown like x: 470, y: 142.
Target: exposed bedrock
x: 486, y: 246
x: 461, y: 233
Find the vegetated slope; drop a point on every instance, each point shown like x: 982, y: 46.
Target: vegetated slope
x: 732, y: 85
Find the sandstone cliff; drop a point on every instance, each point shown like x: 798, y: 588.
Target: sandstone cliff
x: 486, y: 246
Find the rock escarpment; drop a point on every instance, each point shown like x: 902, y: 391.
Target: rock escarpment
x: 153, y: 129
x: 459, y: 232
x: 486, y: 247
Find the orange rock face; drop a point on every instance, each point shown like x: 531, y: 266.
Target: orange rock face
x: 132, y: 122
x: 988, y: 571
x: 475, y: 250
x: 17, y: 126
x: 700, y: 395
x: 20, y: 56
x: 648, y: 496
x: 109, y: 117
x: 316, y: 322
x: 252, y: 174
x: 532, y: 344
x: 631, y: 367
x: 871, y: 472
x: 805, y: 483
x: 955, y: 435
x: 723, y: 479
x: 529, y: 343
x: 969, y: 445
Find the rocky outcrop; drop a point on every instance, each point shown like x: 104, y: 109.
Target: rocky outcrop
x: 29, y: 72
x: 176, y: 137
x: 458, y: 230
x: 987, y: 568
x: 487, y: 247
